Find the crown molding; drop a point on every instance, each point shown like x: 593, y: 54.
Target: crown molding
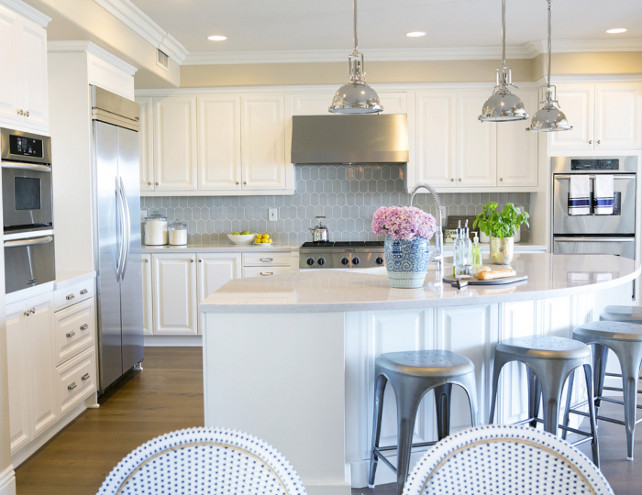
x: 28, y: 11
x: 83, y: 46
x: 145, y: 27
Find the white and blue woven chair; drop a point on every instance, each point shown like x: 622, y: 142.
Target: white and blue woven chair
x: 505, y: 460
x: 198, y: 461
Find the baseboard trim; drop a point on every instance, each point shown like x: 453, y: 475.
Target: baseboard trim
x: 8, y: 481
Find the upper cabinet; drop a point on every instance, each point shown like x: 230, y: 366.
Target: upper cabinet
x: 604, y: 116
x: 455, y: 150
x: 23, y: 78
x: 214, y: 144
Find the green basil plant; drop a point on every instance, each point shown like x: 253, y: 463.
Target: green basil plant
x: 502, y: 223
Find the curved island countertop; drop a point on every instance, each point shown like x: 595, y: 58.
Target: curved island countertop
x: 549, y: 275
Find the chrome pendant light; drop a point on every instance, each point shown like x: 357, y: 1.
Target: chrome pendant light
x: 503, y: 106
x: 355, y: 96
x: 549, y: 118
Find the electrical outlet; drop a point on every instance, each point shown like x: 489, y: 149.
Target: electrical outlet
x: 273, y: 215
x: 143, y: 214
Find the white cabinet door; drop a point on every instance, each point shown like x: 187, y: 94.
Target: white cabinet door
x: 33, y: 68
x: 476, y: 142
x: 214, y: 271
x: 19, y: 383
x: 517, y: 148
x: 146, y: 143
x: 174, y: 294
x: 263, y: 142
x: 175, y: 160
x: 219, y: 142
x: 435, y: 161
x: 577, y: 103
x: 617, y: 116
x: 146, y: 261
x: 8, y: 75
x: 394, y: 102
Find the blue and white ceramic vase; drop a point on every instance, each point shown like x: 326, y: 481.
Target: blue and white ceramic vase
x: 406, y: 262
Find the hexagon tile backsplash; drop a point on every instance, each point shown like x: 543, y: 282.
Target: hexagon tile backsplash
x: 347, y: 195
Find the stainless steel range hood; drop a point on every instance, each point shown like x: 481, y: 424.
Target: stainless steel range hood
x: 327, y: 139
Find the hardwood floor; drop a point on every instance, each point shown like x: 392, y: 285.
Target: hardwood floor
x: 167, y: 396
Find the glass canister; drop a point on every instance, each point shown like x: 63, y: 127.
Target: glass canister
x: 177, y: 233
x: 155, y: 230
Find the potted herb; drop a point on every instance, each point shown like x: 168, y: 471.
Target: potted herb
x: 501, y: 227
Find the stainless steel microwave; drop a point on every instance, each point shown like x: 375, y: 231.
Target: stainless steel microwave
x: 26, y: 181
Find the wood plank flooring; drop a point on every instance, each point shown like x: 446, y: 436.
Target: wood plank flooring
x: 167, y: 396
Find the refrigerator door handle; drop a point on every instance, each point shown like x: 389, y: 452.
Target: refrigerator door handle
x: 121, y: 214
x: 126, y: 228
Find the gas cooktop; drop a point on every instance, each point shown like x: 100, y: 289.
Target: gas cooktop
x: 341, y: 254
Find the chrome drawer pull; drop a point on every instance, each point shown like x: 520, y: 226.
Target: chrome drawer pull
x: 71, y: 334
x: 69, y: 297
x: 71, y: 386
x: 266, y: 274
x: 84, y: 327
x: 85, y: 377
x: 83, y: 292
x: 266, y: 260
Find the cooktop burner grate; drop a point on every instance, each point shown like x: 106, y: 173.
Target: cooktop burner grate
x: 341, y: 244
x: 341, y: 254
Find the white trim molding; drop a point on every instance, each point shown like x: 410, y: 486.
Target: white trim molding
x: 93, y: 49
x: 8, y: 481
x: 28, y: 11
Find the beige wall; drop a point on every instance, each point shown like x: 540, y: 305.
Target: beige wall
x: 193, y: 76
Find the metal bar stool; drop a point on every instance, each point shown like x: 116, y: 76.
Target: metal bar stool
x: 625, y: 340
x: 549, y: 360
x: 411, y: 375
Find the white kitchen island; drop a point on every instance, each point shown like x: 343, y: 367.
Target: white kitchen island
x: 290, y: 358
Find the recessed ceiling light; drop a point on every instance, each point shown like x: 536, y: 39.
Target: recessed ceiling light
x: 415, y: 34
x: 217, y: 37
x: 616, y: 30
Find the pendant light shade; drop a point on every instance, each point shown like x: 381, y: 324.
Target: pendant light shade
x: 355, y: 96
x: 549, y: 118
x: 503, y: 106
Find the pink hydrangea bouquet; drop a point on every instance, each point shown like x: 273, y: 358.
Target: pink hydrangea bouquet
x: 403, y: 222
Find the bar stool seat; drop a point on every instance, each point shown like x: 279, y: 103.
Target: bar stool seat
x: 549, y: 360
x: 412, y: 374
x: 624, y: 338
x: 631, y: 314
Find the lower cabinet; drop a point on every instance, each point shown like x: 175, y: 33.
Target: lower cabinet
x: 174, y: 284
x: 33, y: 402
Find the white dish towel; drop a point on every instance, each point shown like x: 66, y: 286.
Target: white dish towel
x: 579, y: 195
x: 603, y: 193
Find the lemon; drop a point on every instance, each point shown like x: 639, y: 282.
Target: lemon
x: 245, y: 232
x: 266, y: 236
x: 235, y: 233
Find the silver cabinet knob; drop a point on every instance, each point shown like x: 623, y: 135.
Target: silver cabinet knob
x: 590, y: 141
x: 245, y: 183
x: 191, y: 261
x: 599, y: 141
x: 84, y: 327
x: 83, y: 292
x: 71, y: 386
x: 157, y: 183
x: 85, y: 377
x: 149, y: 182
x: 70, y: 334
x: 501, y: 179
x: 452, y: 179
x: 459, y: 179
x: 266, y: 274
x: 20, y: 111
x: 146, y: 260
x: 69, y: 297
x: 27, y: 313
x: 26, y: 113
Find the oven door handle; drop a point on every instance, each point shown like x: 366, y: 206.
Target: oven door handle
x: 594, y: 239
x: 31, y: 241
x: 26, y: 166
x: 592, y: 176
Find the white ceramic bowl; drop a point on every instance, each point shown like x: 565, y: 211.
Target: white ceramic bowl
x: 241, y: 239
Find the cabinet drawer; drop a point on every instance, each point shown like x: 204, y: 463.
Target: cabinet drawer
x: 74, y: 294
x: 264, y: 271
x: 266, y: 259
x: 77, y: 379
x: 75, y: 328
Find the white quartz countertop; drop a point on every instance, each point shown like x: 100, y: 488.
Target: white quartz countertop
x: 215, y: 247
x: 548, y: 275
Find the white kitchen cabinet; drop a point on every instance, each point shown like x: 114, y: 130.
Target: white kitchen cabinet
x: 33, y: 399
x: 146, y: 268
x: 219, y: 142
x: 175, y: 150
x: 266, y: 264
x: 23, y: 79
x: 214, y: 271
x: 174, y: 294
x: 455, y: 150
x: 604, y: 116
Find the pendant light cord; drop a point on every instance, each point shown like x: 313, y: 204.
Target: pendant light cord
x: 548, y: 82
x: 503, y: 32
x: 355, y: 39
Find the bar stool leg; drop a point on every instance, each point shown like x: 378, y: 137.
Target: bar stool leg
x: 591, y: 408
x: 406, y: 415
x: 551, y: 393
x: 567, y: 409
x: 534, y: 395
x: 630, y: 368
x: 600, y: 355
x: 442, y: 404
x: 467, y: 382
x: 380, y: 386
x: 498, y: 364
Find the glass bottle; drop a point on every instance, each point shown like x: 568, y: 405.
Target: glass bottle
x: 477, y: 252
x: 458, y: 253
x: 468, y: 250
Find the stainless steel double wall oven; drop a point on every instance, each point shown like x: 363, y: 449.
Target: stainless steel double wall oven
x: 27, y: 209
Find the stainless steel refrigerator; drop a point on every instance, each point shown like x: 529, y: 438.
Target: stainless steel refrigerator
x: 115, y: 123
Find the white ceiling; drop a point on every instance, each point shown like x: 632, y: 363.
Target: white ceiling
x: 272, y: 30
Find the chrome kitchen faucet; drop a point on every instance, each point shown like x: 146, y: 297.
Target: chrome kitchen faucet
x: 439, y: 239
